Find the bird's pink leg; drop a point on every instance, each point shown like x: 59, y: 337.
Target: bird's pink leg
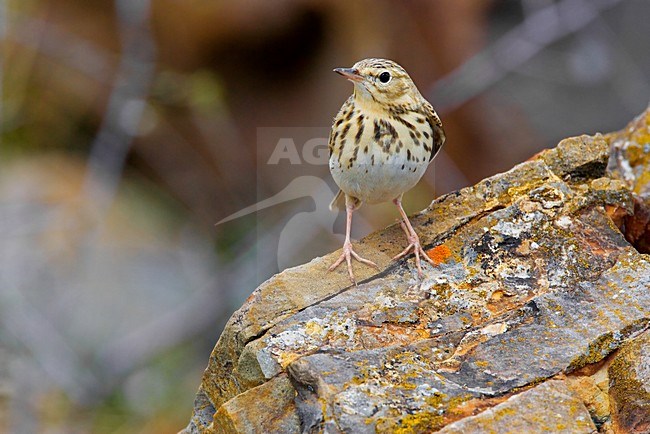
x: 348, y: 253
x: 414, y: 241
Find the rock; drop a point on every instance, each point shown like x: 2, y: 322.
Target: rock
x: 629, y: 379
x: 534, y: 281
x: 630, y: 159
x: 264, y: 409
x: 592, y: 389
x: 630, y: 155
x: 547, y: 408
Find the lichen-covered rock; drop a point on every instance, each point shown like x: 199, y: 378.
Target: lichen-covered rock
x: 268, y: 408
x: 534, y: 280
x: 629, y: 377
x: 592, y: 389
x: 629, y: 161
x: 630, y: 155
x: 548, y: 408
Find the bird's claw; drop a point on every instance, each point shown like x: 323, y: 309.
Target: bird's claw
x: 415, y: 247
x: 347, y: 255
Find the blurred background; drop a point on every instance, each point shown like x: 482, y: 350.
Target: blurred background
x: 128, y: 128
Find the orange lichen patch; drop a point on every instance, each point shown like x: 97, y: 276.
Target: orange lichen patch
x: 439, y: 254
x: 497, y: 295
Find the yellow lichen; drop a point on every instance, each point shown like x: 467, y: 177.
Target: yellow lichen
x: 411, y: 423
x: 500, y: 413
x: 481, y: 364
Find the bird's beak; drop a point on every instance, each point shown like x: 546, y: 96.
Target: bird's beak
x: 351, y: 74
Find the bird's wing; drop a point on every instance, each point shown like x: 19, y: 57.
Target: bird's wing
x: 436, y: 126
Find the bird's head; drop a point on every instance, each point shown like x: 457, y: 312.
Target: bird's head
x: 382, y: 82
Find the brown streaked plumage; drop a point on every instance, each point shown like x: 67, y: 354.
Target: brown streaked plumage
x: 382, y: 140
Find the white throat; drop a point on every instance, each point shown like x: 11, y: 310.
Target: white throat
x: 364, y: 99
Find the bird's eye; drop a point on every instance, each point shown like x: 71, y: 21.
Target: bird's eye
x: 384, y: 77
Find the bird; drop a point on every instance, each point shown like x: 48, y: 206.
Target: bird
x: 380, y: 144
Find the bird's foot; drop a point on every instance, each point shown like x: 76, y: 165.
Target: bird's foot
x: 347, y: 255
x: 414, y: 247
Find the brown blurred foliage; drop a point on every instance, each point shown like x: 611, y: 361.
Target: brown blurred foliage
x: 222, y: 70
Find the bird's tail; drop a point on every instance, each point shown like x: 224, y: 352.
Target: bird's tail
x: 338, y: 201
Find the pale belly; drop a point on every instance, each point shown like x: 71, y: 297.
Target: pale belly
x: 376, y: 157
x: 379, y: 179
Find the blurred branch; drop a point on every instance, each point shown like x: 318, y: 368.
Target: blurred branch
x: 126, y: 103
x: 538, y: 30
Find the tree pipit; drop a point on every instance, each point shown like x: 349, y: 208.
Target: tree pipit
x: 382, y: 141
